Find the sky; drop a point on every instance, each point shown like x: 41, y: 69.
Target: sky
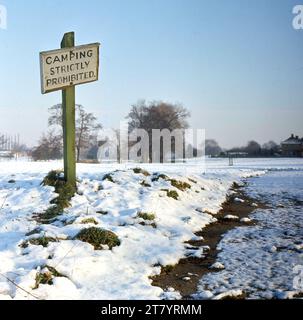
x: 236, y: 65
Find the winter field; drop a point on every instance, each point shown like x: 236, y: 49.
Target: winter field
x: 152, y: 217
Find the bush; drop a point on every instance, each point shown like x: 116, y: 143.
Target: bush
x: 98, y: 237
x: 49, y: 148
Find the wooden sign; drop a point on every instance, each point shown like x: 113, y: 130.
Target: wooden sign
x: 62, y: 70
x: 69, y: 66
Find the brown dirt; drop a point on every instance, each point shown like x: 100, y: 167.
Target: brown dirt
x: 195, y: 268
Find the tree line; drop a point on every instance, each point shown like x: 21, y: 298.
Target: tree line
x: 142, y: 115
x: 148, y: 116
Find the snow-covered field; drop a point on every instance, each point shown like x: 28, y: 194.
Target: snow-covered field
x: 124, y: 271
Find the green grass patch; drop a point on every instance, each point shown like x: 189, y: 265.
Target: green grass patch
x: 146, y: 216
x: 142, y: 171
x: 41, y: 241
x: 89, y: 220
x: 182, y: 186
x: 98, y: 237
x: 46, y: 276
x: 65, y: 193
x: 173, y: 194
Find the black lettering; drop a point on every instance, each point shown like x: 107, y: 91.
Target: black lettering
x: 49, y: 60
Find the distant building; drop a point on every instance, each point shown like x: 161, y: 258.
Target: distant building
x: 292, y: 147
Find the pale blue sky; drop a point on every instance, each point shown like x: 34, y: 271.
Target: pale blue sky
x: 237, y: 65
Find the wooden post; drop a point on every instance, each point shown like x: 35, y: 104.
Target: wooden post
x: 68, y: 113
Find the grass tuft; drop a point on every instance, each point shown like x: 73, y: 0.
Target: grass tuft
x: 65, y: 192
x: 173, y: 194
x: 98, y: 237
x: 46, y: 276
x: 142, y: 171
x: 146, y: 216
x: 182, y: 186
x: 89, y: 220
x: 41, y: 241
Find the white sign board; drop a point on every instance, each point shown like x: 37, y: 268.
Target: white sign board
x: 69, y: 66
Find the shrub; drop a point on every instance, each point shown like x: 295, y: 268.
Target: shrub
x: 98, y: 237
x: 54, y: 178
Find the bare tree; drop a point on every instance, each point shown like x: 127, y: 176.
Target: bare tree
x: 157, y: 115
x: 253, y: 148
x: 49, y: 147
x: 3, y: 142
x: 86, y: 126
x: 212, y: 147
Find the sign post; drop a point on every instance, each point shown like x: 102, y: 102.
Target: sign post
x: 68, y: 121
x: 63, y: 69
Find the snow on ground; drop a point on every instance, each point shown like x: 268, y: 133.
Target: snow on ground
x: 123, y: 272
x: 264, y: 261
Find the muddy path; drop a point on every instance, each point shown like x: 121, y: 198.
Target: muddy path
x: 184, y: 277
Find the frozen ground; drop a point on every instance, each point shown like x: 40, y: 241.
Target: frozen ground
x: 264, y: 261
x: 124, y: 271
